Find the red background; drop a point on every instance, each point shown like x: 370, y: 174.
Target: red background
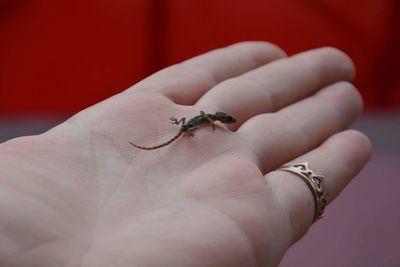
x: 62, y: 56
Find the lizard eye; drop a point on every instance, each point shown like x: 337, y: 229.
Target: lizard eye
x: 230, y: 119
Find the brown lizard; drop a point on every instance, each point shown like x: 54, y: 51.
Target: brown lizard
x: 191, y: 125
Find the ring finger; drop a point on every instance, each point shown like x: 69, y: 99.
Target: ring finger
x: 339, y: 159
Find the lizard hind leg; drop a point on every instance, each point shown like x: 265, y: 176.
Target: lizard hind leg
x: 189, y: 133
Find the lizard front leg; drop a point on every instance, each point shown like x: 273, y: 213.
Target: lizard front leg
x: 174, y: 120
x: 211, y: 121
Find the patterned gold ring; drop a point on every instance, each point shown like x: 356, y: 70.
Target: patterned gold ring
x: 314, y: 182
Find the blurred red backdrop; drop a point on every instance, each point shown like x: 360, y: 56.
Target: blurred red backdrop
x: 62, y: 56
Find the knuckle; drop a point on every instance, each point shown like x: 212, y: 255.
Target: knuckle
x: 344, y: 94
x: 335, y: 54
x: 333, y: 61
x: 354, y: 149
x: 261, y: 49
x: 344, y: 89
x: 358, y: 140
x: 294, y: 127
x: 257, y: 88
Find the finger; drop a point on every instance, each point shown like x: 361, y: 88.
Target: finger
x: 298, y: 128
x: 186, y: 82
x: 339, y: 160
x: 278, y: 84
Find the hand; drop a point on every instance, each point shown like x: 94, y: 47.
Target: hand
x: 81, y: 195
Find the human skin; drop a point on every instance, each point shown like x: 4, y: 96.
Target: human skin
x: 81, y: 195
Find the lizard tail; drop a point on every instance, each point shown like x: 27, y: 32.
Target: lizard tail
x: 160, y: 145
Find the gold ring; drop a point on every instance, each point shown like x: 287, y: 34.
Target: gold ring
x: 314, y: 182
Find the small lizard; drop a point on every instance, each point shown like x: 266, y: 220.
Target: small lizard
x: 191, y: 125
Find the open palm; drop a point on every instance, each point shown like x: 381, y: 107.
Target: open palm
x: 81, y: 195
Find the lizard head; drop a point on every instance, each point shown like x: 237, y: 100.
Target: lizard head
x: 224, y: 118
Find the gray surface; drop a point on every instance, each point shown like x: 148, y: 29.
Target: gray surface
x: 383, y: 129
x: 11, y: 128
x: 361, y: 228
